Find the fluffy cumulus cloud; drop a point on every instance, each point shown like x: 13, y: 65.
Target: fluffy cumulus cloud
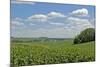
x: 57, y: 24
x: 46, y: 17
x: 18, y: 19
x: 55, y: 14
x: 31, y: 24
x: 22, y: 2
x: 78, y: 23
x: 80, y: 12
x: 38, y: 17
x: 16, y: 23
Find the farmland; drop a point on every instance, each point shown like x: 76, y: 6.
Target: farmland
x: 29, y: 51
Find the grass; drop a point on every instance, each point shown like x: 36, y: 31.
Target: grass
x: 51, y: 52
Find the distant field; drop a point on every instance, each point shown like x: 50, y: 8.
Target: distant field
x: 50, y: 51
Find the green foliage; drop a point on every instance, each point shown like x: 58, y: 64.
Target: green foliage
x: 85, y: 36
x: 50, y: 52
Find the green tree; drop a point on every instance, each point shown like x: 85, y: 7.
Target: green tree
x: 85, y: 36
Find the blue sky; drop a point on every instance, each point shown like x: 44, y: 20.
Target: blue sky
x: 38, y: 19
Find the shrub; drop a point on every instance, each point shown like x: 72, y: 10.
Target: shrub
x: 85, y: 36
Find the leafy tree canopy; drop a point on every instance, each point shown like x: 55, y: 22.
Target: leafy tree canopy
x: 85, y: 36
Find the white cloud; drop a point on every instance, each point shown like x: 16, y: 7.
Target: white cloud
x: 72, y: 28
x: 58, y: 24
x: 55, y: 14
x: 80, y: 12
x: 38, y: 17
x: 45, y: 17
x: 32, y: 24
x: 18, y: 19
x: 79, y: 23
x: 22, y: 2
x: 16, y: 23
x: 42, y: 32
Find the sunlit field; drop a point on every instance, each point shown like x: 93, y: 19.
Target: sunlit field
x: 30, y: 51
